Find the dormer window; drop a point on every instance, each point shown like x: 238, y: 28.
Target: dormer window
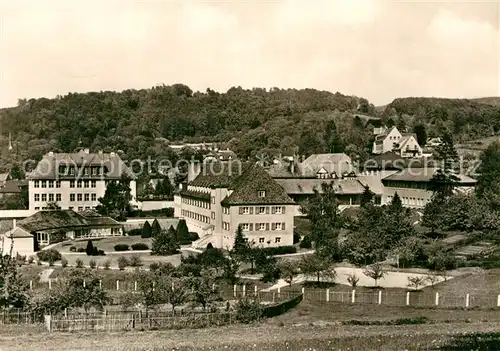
x: 262, y: 193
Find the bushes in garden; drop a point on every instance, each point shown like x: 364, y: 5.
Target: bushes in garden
x: 50, y: 255
x: 306, y: 243
x: 280, y: 250
x: 135, y: 232
x: 139, y: 246
x: 121, y: 247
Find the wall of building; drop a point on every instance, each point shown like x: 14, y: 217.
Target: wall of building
x: 155, y: 205
x: 22, y: 246
x: 17, y: 214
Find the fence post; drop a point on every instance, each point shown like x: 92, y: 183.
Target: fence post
x: 303, y: 290
x: 273, y: 296
x: 31, y: 284
x: 353, y: 300
x: 327, y: 295
x: 100, y: 284
x: 135, y: 285
x: 234, y: 290
x: 155, y: 284
x: 244, y: 289
x: 380, y: 297
x: 437, y: 299
x: 117, y: 285
x: 213, y: 287
x: 255, y: 290
x: 498, y: 300
x: 467, y: 300
x: 50, y: 284
x: 279, y: 293
x: 48, y: 322
x: 84, y: 283
x: 65, y: 312
x: 407, y: 298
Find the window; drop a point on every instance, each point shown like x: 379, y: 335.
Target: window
x: 278, y: 226
x: 86, y: 171
x: 37, y: 197
x: 245, y: 210
x: 87, y: 197
x: 44, y: 183
x: 261, y: 240
x: 225, y: 210
x: 58, y: 184
x: 37, y: 208
x: 58, y: 197
x: 79, y: 184
x: 94, y: 197
x: 86, y: 184
x: 51, y: 183
x: 94, y: 171
x: 225, y: 225
x: 245, y: 227
x: 79, y: 197
x: 94, y: 184
x: 213, y: 199
x: 262, y: 210
x: 36, y: 183
x: 87, y: 207
x: 71, y: 208
x: 44, y: 197
x: 262, y: 193
x: 71, y: 183
x: 72, y: 171
x: 277, y: 240
x: 213, y: 215
x: 261, y: 226
x: 279, y: 210
x: 80, y: 209
x: 71, y: 197
x: 51, y: 197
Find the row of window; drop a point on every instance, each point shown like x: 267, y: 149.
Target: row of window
x: 250, y: 227
x: 85, y: 183
x: 263, y: 240
x: 196, y: 216
x: 410, y: 201
x: 47, y: 183
x: 197, y: 203
x: 407, y: 185
x: 263, y: 210
x: 50, y: 197
x: 80, y: 209
x: 65, y: 170
x: 82, y: 197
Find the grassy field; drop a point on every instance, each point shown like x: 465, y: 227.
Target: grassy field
x: 307, y: 327
x: 145, y: 257
x: 105, y: 244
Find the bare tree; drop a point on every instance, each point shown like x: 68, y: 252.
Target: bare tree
x: 415, y: 282
x: 353, y: 280
x: 375, y: 271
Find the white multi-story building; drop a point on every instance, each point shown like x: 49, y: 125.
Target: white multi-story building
x: 403, y: 144
x: 225, y: 195
x: 75, y: 181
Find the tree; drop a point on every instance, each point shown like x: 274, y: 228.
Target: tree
x: 433, y: 214
x: 116, y: 199
x: 164, y: 187
x: 205, y: 291
x: 182, y: 234
x: 488, y: 182
x: 353, y: 280
x: 90, y: 250
x: 240, y: 246
x: 415, y: 282
x: 155, y: 229
x: 318, y: 266
x: 146, y: 230
x: 322, y: 210
x: 375, y: 271
x: 367, y: 197
x: 165, y: 243
x: 446, y: 152
x: 288, y: 271
x: 14, y: 289
x: 421, y: 131
x: 150, y: 289
x: 443, y: 184
x: 178, y: 292
x: 53, y: 206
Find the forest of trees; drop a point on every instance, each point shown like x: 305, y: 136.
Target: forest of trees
x: 141, y: 123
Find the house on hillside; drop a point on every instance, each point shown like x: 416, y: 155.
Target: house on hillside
x: 227, y: 195
x: 12, y: 188
x: 51, y: 226
x: 220, y: 155
x: 3, y: 178
x: 76, y: 180
x: 414, y: 187
x: 402, y: 144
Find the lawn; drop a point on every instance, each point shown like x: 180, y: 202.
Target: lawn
x: 105, y: 244
x: 145, y: 257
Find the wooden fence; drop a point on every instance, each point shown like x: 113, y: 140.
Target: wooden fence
x: 19, y: 317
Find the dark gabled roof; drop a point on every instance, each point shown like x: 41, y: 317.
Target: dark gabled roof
x: 195, y: 194
x: 103, y: 221
x: 254, y: 179
x: 12, y: 187
x: 424, y: 174
x: 4, y: 177
x: 18, y: 233
x: 53, y: 219
x: 307, y: 186
x: 220, y: 174
x: 89, y: 213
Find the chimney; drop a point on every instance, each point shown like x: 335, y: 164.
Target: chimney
x: 86, y: 151
x: 51, y: 154
x: 14, y: 223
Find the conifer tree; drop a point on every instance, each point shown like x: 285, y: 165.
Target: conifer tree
x: 165, y: 243
x: 146, y: 230
x: 240, y: 246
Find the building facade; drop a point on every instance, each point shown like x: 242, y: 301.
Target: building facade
x: 392, y: 140
x: 75, y: 181
x: 224, y: 196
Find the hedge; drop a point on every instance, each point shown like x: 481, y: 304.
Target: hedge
x: 281, y: 308
x: 139, y: 246
x: 49, y: 255
x: 135, y: 232
x: 121, y: 247
x: 280, y: 250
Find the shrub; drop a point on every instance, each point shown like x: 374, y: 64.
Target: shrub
x: 135, y: 261
x: 72, y: 249
x: 146, y: 230
x: 51, y: 261
x: 38, y: 262
x: 49, y: 255
x: 139, y: 246
x: 281, y: 250
x: 122, y: 262
x: 306, y: 243
x: 296, y: 238
x: 79, y: 263
x: 80, y: 249
x: 135, y: 232
x: 90, y: 250
x: 121, y: 247
x: 210, y: 246
x: 92, y: 264
x: 101, y: 253
x: 169, y: 212
x: 30, y: 259
x: 415, y: 282
x: 153, y: 267
x: 107, y: 264
x: 194, y: 236
x: 64, y: 262
x: 248, y: 311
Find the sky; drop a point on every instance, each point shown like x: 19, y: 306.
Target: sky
x: 378, y: 49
